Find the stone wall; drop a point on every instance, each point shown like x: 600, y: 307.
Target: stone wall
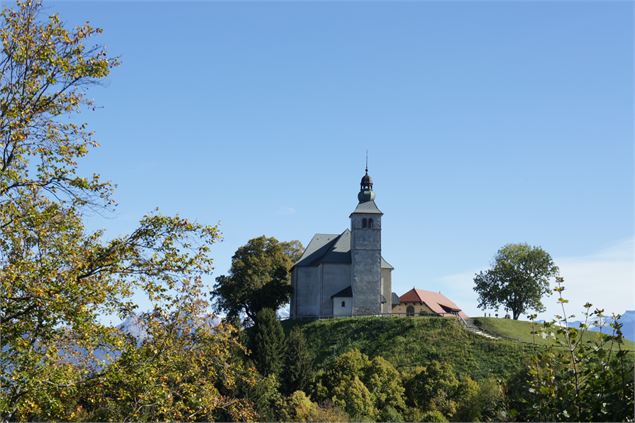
x: 335, y: 277
x: 366, y: 265
x: 386, y: 276
x: 307, y: 293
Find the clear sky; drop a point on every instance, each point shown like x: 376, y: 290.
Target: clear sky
x: 486, y: 123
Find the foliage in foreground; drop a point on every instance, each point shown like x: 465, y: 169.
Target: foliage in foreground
x: 185, y: 369
x: 56, y: 277
x: 577, y: 378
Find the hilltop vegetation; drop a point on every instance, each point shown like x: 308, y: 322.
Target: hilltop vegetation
x: 409, y: 342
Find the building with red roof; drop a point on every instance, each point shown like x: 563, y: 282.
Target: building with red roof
x: 418, y: 302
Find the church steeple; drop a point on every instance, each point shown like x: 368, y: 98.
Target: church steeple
x: 366, y: 192
x: 366, y: 275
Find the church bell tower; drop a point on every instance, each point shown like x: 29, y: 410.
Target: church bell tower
x: 366, y: 251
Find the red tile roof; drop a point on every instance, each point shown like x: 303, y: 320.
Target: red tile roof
x: 436, y: 301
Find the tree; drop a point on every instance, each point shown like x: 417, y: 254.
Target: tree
x: 57, y: 278
x: 434, y: 388
x: 300, y: 408
x: 270, y: 404
x: 268, y: 343
x: 298, y: 362
x: 481, y: 402
x: 517, y: 280
x: 185, y: 369
x: 384, y: 382
x: 340, y: 383
x: 259, y: 277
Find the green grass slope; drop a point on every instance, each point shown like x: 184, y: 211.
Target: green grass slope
x: 521, y: 331
x: 409, y: 342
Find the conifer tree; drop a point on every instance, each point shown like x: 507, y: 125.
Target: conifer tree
x: 268, y: 343
x: 298, y: 364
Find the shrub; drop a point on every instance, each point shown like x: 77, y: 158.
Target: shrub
x: 433, y: 416
x: 300, y: 407
x: 576, y: 378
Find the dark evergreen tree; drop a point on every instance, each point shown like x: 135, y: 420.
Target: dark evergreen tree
x: 299, y: 362
x: 268, y: 343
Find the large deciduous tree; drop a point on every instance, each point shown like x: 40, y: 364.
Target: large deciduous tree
x: 518, y: 279
x: 259, y: 277
x: 56, y: 277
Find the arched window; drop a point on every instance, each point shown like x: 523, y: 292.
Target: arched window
x: 410, y: 310
x: 364, y: 223
x: 343, y: 303
x: 370, y: 223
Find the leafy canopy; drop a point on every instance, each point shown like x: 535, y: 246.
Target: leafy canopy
x: 259, y: 277
x: 56, y: 277
x: 518, y: 279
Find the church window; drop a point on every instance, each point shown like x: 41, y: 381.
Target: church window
x: 410, y: 310
x: 370, y: 223
x: 364, y: 223
x: 343, y: 303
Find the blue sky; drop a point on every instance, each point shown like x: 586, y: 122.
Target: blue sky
x: 486, y: 123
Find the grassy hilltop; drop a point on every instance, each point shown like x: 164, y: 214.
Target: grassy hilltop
x: 521, y: 331
x: 408, y: 342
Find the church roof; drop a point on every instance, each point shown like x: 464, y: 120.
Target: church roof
x: 344, y: 293
x: 367, y: 207
x: 436, y: 301
x: 331, y: 249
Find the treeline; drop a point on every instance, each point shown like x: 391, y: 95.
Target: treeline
x: 189, y: 368
x: 353, y: 386
x: 589, y: 381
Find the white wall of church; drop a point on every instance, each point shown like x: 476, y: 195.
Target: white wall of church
x: 342, y: 306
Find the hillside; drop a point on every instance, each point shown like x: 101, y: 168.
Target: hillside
x: 521, y: 331
x: 408, y: 342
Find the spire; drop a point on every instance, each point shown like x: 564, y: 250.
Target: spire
x: 366, y: 186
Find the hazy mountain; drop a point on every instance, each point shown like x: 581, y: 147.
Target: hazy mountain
x: 627, y: 319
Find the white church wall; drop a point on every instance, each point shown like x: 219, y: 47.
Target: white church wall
x: 342, y: 306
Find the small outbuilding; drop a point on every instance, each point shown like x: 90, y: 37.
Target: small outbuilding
x: 419, y: 302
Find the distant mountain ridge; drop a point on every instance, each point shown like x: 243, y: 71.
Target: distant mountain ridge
x: 627, y: 319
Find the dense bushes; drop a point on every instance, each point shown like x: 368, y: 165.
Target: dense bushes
x: 357, y: 381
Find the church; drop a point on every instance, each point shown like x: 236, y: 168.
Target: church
x: 345, y: 274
